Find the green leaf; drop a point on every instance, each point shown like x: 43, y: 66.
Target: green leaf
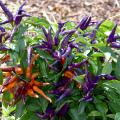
x: 43, y: 104
x: 111, y: 116
x: 19, y: 109
x: 43, y: 67
x: 36, y: 21
x: 79, y: 78
x: 106, y: 49
x: 74, y: 114
x: 6, y: 111
x: 114, y: 84
x: 107, y: 69
x: 1, y: 77
x: 107, y: 56
x: 94, y: 113
x: 117, y: 116
x: 96, y: 54
x: 44, y: 54
x: 33, y: 107
x: 94, y: 66
x: 117, y: 68
x: 29, y: 116
x: 82, y: 107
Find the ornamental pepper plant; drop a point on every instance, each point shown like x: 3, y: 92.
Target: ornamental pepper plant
x: 58, y: 71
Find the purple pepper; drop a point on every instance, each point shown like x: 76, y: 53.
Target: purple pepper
x: 57, y: 55
x: 48, y: 37
x: 66, y: 93
x: 7, y: 13
x: 67, y: 52
x: 20, y: 14
x: 108, y: 77
x: 56, y: 39
x: 2, y: 33
x: 2, y: 29
x: 93, y: 34
x: 90, y: 84
x: 61, y: 82
x: 66, y: 39
x: 17, y: 18
x: 29, y: 55
x: 63, y: 110
x: 78, y: 65
x: 84, y: 23
x: 67, y: 32
x: 49, y: 114
x: 115, y: 44
x: 4, y: 47
x: 112, y: 34
x: 87, y: 98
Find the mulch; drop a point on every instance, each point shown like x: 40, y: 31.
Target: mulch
x: 58, y: 10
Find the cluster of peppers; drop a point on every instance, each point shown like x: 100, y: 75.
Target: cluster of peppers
x: 19, y: 87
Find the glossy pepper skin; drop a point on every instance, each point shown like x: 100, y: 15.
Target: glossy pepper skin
x: 84, y: 23
x: 112, y: 35
x: 7, y: 12
x: 115, y: 44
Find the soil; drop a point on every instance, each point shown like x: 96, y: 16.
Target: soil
x: 57, y: 10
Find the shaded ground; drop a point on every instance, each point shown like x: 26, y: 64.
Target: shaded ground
x: 70, y: 9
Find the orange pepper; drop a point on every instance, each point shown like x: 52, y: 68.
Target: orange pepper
x: 5, y: 58
x: 78, y: 85
x: 21, y: 83
x: 36, y: 89
x: 14, y: 78
x: 29, y: 68
x: 6, y: 74
x: 40, y: 83
x: 28, y: 72
x: 7, y: 68
x: 68, y: 74
x: 31, y: 93
x: 19, y: 70
x: 34, y: 58
x: 34, y: 75
x: 33, y: 78
x: 9, y: 86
